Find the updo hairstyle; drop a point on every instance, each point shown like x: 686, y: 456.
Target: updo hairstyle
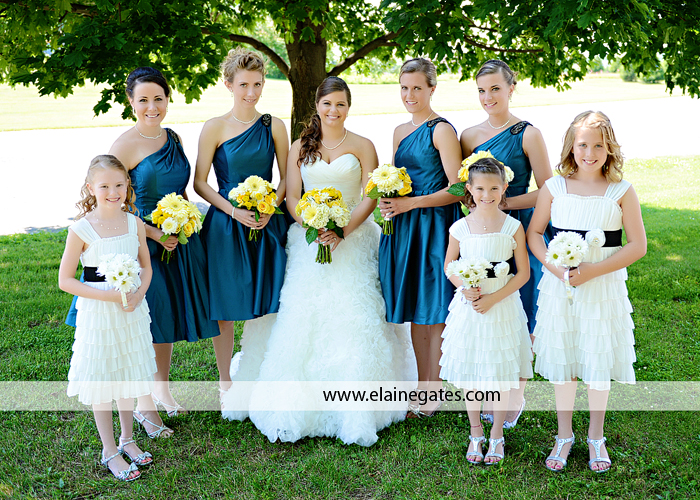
x: 420, y: 65
x: 240, y: 59
x: 493, y: 66
x: 146, y: 74
x: 484, y: 166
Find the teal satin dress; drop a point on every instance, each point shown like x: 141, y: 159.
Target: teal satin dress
x: 178, y: 296
x: 245, y: 277
x: 411, y: 260
x: 507, y: 147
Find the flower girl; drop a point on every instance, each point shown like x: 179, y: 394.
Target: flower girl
x: 588, y: 336
x: 486, y: 344
x: 113, y: 358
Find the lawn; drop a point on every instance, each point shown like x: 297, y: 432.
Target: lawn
x: 24, y: 109
x: 54, y: 455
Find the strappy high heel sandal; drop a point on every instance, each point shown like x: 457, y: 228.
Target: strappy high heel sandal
x: 493, y: 444
x: 557, y: 457
x: 159, y: 429
x: 129, y: 474
x: 170, y: 410
x: 511, y: 425
x: 142, y: 459
x: 596, y: 446
x: 478, y: 450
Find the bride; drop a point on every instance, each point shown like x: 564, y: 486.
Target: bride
x: 331, y: 322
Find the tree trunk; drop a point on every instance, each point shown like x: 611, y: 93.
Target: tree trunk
x: 307, y: 70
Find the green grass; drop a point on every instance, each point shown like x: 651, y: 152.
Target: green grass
x: 54, y: 454
x: 24, y: 109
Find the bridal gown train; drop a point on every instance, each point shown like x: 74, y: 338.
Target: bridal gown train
x: 330, y: 327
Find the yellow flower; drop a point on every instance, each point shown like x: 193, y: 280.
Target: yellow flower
x: 256, y: 184
x: 370, y: 186
x: 463, y: 174
x: 189, y: 229
x: 405, y: 190
x: 270, y: 199
x: 258, y: 196
x: 263, y: 207
x: 476, y: 156
x: 309, y: 213
x: 172, y: 203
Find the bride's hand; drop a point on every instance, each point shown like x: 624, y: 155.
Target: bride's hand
x: 247, y: 218
x: 328, y: 237
x: 391, y: 207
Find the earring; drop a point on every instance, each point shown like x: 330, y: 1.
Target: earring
x: 232, y: 93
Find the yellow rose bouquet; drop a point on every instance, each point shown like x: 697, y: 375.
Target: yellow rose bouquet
x: 176, y: 215
x: 258, y: 195
x: 387, y: 181
x: 323, y: 209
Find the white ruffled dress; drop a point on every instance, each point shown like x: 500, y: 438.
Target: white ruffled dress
x: 113, y: 354
x: 593, y: 338
x: 331, y: 326
x: 492, y: 351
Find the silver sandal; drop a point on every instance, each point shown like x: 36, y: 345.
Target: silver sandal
x: 142, y: 459
x: 159, y: 429
x: 557, y: 457
x: 596, y: 446
x: 476, y: 441
x: 493, y: 443
x: 122, y: 475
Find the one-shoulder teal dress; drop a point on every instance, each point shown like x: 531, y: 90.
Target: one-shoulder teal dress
x: 178, y: 296
x: 507, y: 147
x: 245, y: 277
x: 411, y: 260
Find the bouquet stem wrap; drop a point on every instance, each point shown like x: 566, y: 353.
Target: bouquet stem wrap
x: 387, y: 181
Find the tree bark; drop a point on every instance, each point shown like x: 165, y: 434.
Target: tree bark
x: 306, y: 73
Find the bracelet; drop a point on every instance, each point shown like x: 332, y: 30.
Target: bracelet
x: 233, y: 212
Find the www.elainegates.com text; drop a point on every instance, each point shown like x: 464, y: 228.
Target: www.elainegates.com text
x: 416, y: 396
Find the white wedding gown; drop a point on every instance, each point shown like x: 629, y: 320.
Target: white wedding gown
x: 330, y: 327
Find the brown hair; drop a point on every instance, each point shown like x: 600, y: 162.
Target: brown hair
x: 420, y: 65
x: 484, y: 166
x: 493, y: 66
x: 310, y: 139
x: 612, y: 169
x: 88, y: 202
x: 241, y: 59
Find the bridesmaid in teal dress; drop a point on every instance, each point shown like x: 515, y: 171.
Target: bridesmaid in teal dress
x: 520, y: 146
x: 245, y: 277
x: 411, y: 260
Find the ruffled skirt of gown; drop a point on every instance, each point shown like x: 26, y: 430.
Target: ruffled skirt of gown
x: 330, y: 327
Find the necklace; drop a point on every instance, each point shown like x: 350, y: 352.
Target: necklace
x: 119, y: 223
x: 147, y: 137
x: 421, y: 123
x: 337, y: 145
x: 255, y: 117
x: 498, y: 128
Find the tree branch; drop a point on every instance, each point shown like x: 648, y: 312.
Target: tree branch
x: 474, y: 43
x: 382, y: 41
x: 257, y: 44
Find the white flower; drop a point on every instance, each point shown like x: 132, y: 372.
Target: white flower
x: 502, y: 269
x: 169, y: 226
x: 121, y: 271
x: 340, y: 215
x: 255, y: 184
x: 509, y: 173
x: 595, y: 238
x: 387, y: 179
x: 567, y: 249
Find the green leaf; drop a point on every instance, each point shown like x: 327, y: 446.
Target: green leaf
x: 457, y: 189
x: 181, y: 238
x: 311, y: 235
x: 234, y: 203
x: 278, y: 210
x: 164, y: 237
x: 374, y: 193
x: 339, y: 232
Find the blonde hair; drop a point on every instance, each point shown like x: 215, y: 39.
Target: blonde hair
x: 240, y: 59
x: 493, y: 66
x: 489, y: 166
x: 103, y: 162
x: 612, y: 169
x: 420, y: 65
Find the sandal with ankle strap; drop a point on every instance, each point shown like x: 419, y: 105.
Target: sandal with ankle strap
x: 557, y: 457
x: 142, y: 459
x: 478, y: 452
x: 596, y: 446
x: 123, y: 475
x: 511, y: 425
x: 493, y: 443
x: 170, y: 410
x: 159, y: 429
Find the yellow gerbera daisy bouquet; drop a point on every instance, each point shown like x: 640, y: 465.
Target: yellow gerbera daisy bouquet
x: 257, y: 195
x: 387, y: 181
x: 176, y: 215
x: 323, y: 209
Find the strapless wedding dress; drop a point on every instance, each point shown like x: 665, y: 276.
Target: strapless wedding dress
x: 330, y: 327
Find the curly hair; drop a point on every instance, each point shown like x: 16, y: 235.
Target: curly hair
x: 241, y: 59
x: 612, y: 169
x: 88, y: 202
x: 310, y: 139
x: 484, y: 166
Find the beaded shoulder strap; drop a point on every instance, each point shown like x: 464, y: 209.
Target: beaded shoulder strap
x: 266, y: 119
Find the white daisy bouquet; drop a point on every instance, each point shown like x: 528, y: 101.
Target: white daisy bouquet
x: 121, y: 272
x: 470, y: 269
x: 323, y: 209
x: 458, y: 189
x: 176, y: 215
x: 258, y: 195
x: 567, y: 249
x: 387, y: 181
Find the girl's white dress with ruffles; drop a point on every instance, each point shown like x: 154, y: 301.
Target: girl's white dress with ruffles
x: 492, y: 351
x: 331, y: 326
x: 593, y: 338
x: 113, y: 354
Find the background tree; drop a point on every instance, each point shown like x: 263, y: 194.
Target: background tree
x: 57, y: 44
